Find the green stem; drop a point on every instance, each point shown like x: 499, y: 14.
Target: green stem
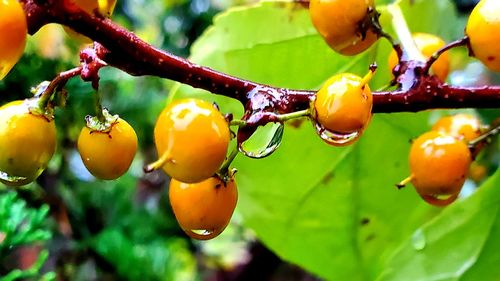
x: 58, y: 82
x: 238, y: 122
x: 403, y: 32
x: 293, y: 115
x: 98, y: 108
x: 280, y: 117
x: 225, y: 166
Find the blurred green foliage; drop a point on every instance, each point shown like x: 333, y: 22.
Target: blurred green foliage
x: 106, y: 230
x: 21, y: 226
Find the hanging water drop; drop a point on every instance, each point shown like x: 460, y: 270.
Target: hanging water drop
x: 12, y: 180
x: 336, y: 139
x: 203, y: 234
x: 264, y: 141
x: 439, y: 200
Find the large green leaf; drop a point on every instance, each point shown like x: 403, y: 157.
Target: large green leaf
x: 460, y: 244
x: 334, y: 211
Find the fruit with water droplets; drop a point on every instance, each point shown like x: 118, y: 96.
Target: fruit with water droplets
x: 343, y: 105
x: 439, y: 164
x: 203, y: 209
x: 339, y: 23
x: 27, y: 142
x: 191, y: 138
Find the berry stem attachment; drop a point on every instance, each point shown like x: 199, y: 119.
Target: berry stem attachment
x: 238, y: 122
x: 368, y: 77
x: 56, y: 84
x: 98, y: 107
x: 374, y: 23
x: 457, y: 43
x: 275, y: 117
x: 293, y: 115
x: 165, y: 157
x: 224, y: 169
x: 103, y: 121
x: 404, y: 182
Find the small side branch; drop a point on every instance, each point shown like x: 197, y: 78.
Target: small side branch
x: 460, y: 42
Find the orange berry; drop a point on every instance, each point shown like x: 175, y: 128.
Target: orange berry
x: 343, y: 104
x: 13, y: 32
x: 191, y: 138
x: 108, y: 155
x: 463, y: 126
x: 482, y: 30
x: 338, y: 22
x: 203, y: 209
x: 439, y: 165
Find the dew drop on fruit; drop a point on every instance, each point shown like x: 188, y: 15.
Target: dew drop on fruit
x: 264, y: 141
x: 418, y: 240
x: 11, y: 180
x: 203, y: 234
x: 439, y: 200
x: 336, y: 139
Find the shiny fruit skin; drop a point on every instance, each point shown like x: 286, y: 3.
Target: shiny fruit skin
x: 428, y: 44
x: 204, y: 207
x: 463, y: 126
x: 108, y: 155
x: 196, y: 137
x: 343, y: 105
x: 482, y: 29
x: 13, y: 32
x: 439, y: 164
x: 27, y: 142
x: 337, y: 21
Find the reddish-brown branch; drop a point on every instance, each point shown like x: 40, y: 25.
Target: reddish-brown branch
x: 60, y: 80
x: 122, y: 49
x: 129, y: 53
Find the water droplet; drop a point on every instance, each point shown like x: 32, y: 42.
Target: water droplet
x: 264, y: 141
x: 203, y: 234
x: 439, y: 200
x: 336, y: 139
x: 12, y: 180
x: 418, y: 240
